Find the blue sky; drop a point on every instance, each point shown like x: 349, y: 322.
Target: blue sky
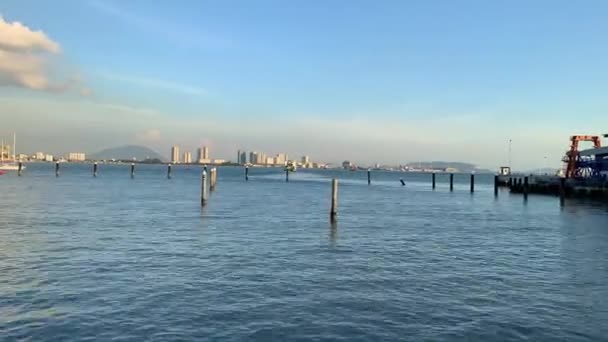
x: 370, y: 81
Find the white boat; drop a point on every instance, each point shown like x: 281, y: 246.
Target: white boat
x: 10, y: 167
x: 10, y: 164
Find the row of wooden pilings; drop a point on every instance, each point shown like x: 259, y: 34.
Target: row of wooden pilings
x: 209, y: 182
x: 523, y: 186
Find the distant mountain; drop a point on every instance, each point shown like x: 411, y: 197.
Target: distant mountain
x: 128, y: 152
x: 442, y: 165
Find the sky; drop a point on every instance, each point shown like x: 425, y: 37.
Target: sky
x: 367, y: 81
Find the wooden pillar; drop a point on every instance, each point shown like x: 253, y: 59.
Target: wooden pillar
x: 168, y: 171
x: 132, y: 170
x: 56, y: 169
x: 562, y: 190
x: 287, y: 175
x: 496, y: 185
x: 472, y: 182
x: 451, y: 182
x: 333, y: 213
x: 246, y: 173
x: 20, y: 169
x: 212, y: 179
x: 369, y: 176
x: 433, y: 180
x: 204, y: 188
x: 526, y: 186
x: 95, y: 169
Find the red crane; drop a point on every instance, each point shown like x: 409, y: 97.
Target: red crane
x: 572, y: 155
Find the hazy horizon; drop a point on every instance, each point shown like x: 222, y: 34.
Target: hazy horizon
x: 372, y: 82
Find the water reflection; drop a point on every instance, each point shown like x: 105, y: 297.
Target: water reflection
x: 333, y: 233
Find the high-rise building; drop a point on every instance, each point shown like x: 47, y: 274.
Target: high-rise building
x: 262, y: 158
x: 205, y: 152
x: 76, y: 156
x: 203, y: 155
x: 175, y: 154
x: 253, y: 157
x: 305, y: 160
x: 243, y: 159
x: 187, y: 158
x: 270, y: 160
x: 280, y: 159
x: 238, y: 156
x: 39, y: 155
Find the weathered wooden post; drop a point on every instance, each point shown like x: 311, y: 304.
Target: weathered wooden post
x: 562, y: 190
x: 20, y: 169
x: 369, y: 176
x: 212, y: 179
x: 433, y: 180
x: 472, y: 182
x: 496, y: 185
x: 132, y: 170
x: 204, y: 188
x: 95, y: 169
x: 56, y: 169
x: 287, y: 175
x: 451, y: 182
x: 246, y: 173
x: 168, y: 171
x: 333, y: 213
x: 526, y: 186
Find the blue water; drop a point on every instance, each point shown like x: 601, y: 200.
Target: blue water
x: 114, y: 258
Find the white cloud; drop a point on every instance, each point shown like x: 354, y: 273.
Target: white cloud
x: 154, y: 83
x: 16, y: 36
x: 172, y: 32
x: 25, y: 60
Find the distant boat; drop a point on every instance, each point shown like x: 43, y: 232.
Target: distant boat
x: 10, y: 164
x: 9, y: 167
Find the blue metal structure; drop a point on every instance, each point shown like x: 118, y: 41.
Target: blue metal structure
x: 592, y: 163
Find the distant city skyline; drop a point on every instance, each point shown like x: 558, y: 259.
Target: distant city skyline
x: 369, y: 82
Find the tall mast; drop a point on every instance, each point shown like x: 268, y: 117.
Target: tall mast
x: 14, y: 146
x: 510, y: 141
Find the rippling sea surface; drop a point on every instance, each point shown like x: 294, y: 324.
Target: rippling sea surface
x: 115, y: 258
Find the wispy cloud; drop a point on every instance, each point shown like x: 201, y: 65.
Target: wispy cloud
x: 154, y: 83
x: 26, y: 60
x: 186, y: 37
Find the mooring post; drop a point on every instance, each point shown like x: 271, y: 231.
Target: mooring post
x: 20, y: 169
x: 287, y: 175
x: 496, y: 185
x: 369, y: 176
x: 132, y: 170
x: 168, y: 171
x: 333, y: 213
x: 526, y: 186
x: 520, y: 185
x: 562, y: 190
x: 246, y: 173
x: 451, y: 182
x: 212, y: 179
x: 203, y: 188
x: 95, y: 169
x: 433, y: 180
x: 56, y: 169
x: 472, y: 182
